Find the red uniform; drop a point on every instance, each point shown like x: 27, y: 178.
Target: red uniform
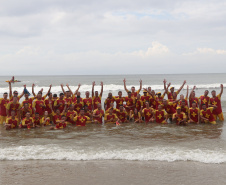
x: 47, y: 121
x: 208, y: 114
x: 56, y: 117
x: 194, y: 114
x: 12, y: 122
x: 185, y: 109
x: 108, y: 117
x: 191, y: 100
x: 37, y: 104
x: 204, y: 100
x: 147, y: 113
x: 88, y: 102
x: 47, y: 103
x: 78, y: 106
x: 138, y: 104
x: 81, y: 120
x: 129, y: 102
x: 61, y: 104
x: 186, y: 102
x: 3, y: 104
x: 61, y: 125
x: 11, y: 106
x: 100, y: 113
x: 169, y: 108
x: 24, y: 111
x: 108, y: 101
x: 37, y: 121
x: 160, y: 116
x: 26, y: 121
x: 145, y: 99
x: 29, y: 101
x: 69, y: 116
x: 119, y: 101
x: 153, y: 103
x: 170, y: 95
x: 179, y: 117
x: 122, y: 115
x: 216, y: 101
x: 96, y: 101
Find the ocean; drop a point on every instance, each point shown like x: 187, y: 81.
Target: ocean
x: 138, y: 146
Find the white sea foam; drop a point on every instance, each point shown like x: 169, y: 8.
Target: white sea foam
x: 109, y: 87
x: 170, y: 154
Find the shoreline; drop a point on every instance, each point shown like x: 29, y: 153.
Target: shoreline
x: 110, y: 172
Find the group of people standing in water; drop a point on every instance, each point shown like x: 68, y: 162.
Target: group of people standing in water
x: 70, y: 108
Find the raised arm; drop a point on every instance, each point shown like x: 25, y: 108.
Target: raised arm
x: 69, y: 89
x: 33, y: 91
x: 62, y: 87
x: 181, y: 87
x: 187, y: 92
x: 124, y: 81
x: 222, y: 88
x: 22, y: 92
x: 140, y: 85
x: 79, y: 85
x: 192, y: 91
x: 93, y: 84
x: 10, y: 90
x: 102, y: 88
x: 164, y: 82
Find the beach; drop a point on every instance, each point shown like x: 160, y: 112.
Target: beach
x: 132, y: 153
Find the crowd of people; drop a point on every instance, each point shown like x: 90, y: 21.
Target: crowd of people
x: 70, y: 108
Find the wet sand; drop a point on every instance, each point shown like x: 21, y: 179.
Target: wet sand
x: 110, y: 172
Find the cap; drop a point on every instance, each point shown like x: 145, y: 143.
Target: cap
x: 144, y: 91
x: 178, y: 108
x: 158, y: 93
x: 171, y: 87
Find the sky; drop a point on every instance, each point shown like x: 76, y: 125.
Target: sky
x: 69, y: 37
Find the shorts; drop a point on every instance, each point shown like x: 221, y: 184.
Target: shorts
x: 2, y: 119
x: 220, y: 116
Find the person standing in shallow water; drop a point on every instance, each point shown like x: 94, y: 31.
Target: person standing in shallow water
x: 215, y: 101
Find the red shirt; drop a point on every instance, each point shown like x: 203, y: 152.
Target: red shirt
x: 78, y: 106
x: 88, y: 102
x: 37, y: 105
x: 12, y: 122
x: 119, y: 101
x: 47, y: 101
x: 100, y: 113
x: 148, y: 113
x: 216, y: 101
x: 69, y: 116
x: 160, y: 116
x: 122, y: 115
x: 96, y: 101
x: 81, y: 120
x: 194, y: 114
x: 208, y: 114
x: 61, y: 107
x: 108, y: 101
x: 3, y: 104
x: 11, y: 106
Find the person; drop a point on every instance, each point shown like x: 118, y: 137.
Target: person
x: 57, y: 115
x: 12, y: 121
x: 153, y: 101
x: 184, y: 108
x: 39, y: 105
x: 49, y: 101
x: 170, y: 94
x: 81, y: 119
x: 119, y: 99
x: 70, y: 114
x: 110, y: 117
x: 135, y: 115
x: 88, y: 113
x: 88, y: 101
x: 77, y: 93
x: 215, y: 101
x: 27, y: 122
x: 194, y: 114
x: 204, y: 99
x: 78, y: 105
x: 95, y: 96
x: 3, y: 103
x: 14, y: 93
x: 111, y: 107
x: 98, y: 114
x: 60, y: 123
x: 37, y: 120
x: 110, y: 99
x: 182, y: 98
x: 179, y: 117
x: 168, y: 106
x: 145, y: 98
x: 27, y: 100
x: 206, y: 114
x: 13, y: 105
x: 67, y: 95
x: 45, y: 120
x: 138, y: 103
x: 192, y: 98
x: 60, y: 103
x: 160, y: 115
x: 133, y: 91
x: 130, y: 103
x: 40, y: 92
x: 24, y: 110
x: 122, y: 115
x: 159, y: 98
x: 148, y: 113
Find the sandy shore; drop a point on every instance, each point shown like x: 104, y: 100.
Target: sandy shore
x: 110, y: 172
